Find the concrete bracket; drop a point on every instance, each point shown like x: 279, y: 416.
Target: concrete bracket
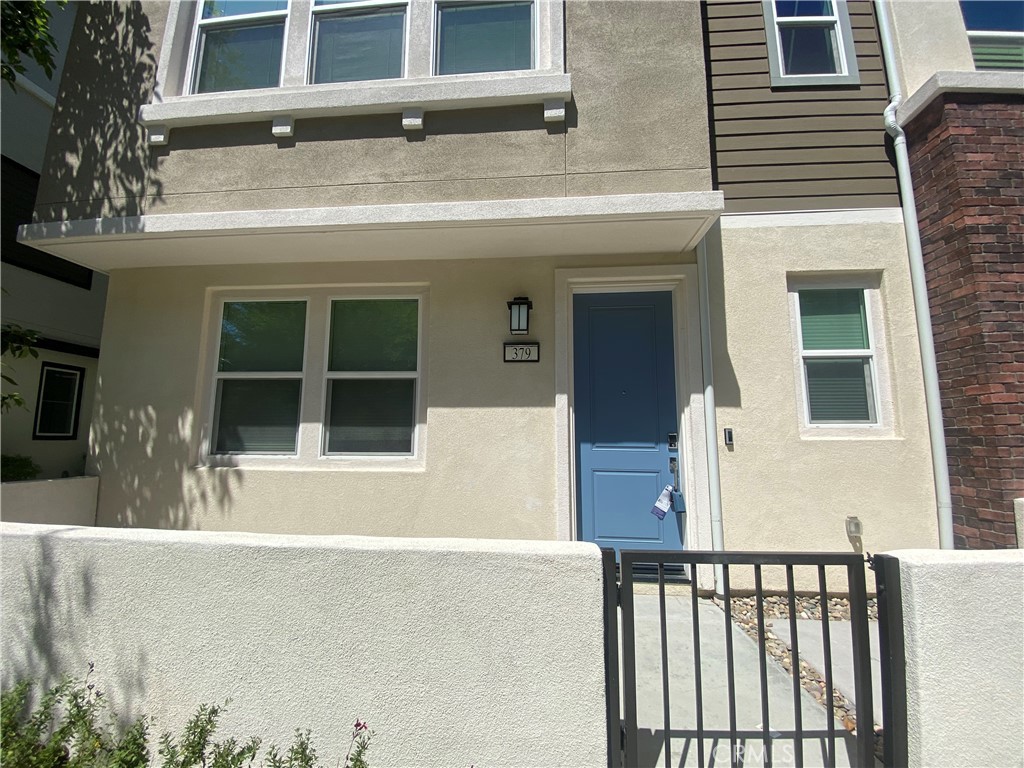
x: 283, y: 127
x: 412, y: 118
x: 157, y: 134
x: 554, y: 110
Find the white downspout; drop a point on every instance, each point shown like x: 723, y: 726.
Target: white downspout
x: 919, y: 285
x: 710, y: 419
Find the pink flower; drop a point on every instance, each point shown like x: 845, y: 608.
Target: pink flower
x: 361, y: 726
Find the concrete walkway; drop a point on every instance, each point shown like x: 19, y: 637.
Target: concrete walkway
x: 812, y: 650
x: 683, y: 748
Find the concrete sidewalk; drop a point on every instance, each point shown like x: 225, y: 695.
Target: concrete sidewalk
x: 683, y: 750
x: 812, y: 650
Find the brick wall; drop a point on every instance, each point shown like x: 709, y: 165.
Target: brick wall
x: 967, y: 158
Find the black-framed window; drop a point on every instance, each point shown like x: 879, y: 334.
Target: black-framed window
x: 59, y: 403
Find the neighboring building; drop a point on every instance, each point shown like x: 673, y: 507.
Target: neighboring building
x: 315, y: 218
x: 61, y: 301
x: 964, y: 117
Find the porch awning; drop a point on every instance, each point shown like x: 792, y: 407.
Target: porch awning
x: 608, y: 224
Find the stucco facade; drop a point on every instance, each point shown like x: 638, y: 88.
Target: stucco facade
x: 797, y: 484
x: 476, y: 207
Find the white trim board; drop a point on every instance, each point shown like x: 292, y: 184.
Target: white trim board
x: 813, y: 218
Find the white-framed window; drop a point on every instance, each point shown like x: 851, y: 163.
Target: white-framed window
x: 810, y: 43
x: 372, y: 372
x: 224, y: 61
x: 315, y: 377
x: 59, y: 402
x: 837, y: 355
x: 995, y: 30
x: 238, y: 45
x: 483, y: 36
x: 357, y: 40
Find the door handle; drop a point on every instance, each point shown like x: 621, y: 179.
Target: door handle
x: 678, y: 503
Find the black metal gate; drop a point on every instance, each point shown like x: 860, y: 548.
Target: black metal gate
x: 689, y: 680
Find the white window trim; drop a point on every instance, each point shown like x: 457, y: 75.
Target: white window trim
x: 846, y: 55
x: 883, y: 427
x: 310, y: 451
x: 419, y: 91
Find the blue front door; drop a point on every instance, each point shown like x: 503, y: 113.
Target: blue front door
x: 624, y: 397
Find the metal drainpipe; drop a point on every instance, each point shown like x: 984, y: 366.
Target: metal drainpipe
x: 919, y: 285
x: 710, y: 418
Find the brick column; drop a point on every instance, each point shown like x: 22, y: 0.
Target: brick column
x: 967, y: 159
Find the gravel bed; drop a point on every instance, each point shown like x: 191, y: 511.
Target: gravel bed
x: 777, y: 607
x: 745, y: 615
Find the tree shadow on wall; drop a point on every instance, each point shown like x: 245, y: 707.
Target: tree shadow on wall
x: 146, y: 461
x: 97, y: 160
x: 49, y: 630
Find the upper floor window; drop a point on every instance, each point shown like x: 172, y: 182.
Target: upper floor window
x: 236, y: 61
x: 483, y: 37
x: 356, y: 41
x: 995, y: 29
x: 238, y: 45
x: 810, y: 42
x: 243, y: 44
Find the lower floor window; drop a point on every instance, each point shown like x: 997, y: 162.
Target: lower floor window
x: 341, y: 373
x: 59, y: 401
x: 837, y: 356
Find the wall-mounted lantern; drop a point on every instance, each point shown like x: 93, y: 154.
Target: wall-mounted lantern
x: 519, y: 315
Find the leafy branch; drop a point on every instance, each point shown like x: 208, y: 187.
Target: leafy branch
x: 16, y: 342
x: 25, y: 31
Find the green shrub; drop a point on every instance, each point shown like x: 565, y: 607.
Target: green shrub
x: 71, y: 728
x: 18, y: 467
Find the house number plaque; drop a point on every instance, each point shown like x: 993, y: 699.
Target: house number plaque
x: 521, y: 353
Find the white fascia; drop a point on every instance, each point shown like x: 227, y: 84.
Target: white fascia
x: 641, y: 223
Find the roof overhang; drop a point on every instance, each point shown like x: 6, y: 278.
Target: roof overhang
x: 614, y: 224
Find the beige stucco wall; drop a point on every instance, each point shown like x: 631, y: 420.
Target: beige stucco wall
x: 637, y: 123
x: 456, y: 653
x: 963, y: 625
x: 66, y: 501
x: 54, y: 457
x: 490, y: 448
x: 782, y: 487
x: 929, y: 36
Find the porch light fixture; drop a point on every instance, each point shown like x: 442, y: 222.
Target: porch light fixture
x: 519, y: 315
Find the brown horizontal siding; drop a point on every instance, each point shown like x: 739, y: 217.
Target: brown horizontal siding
x: 796, y: 140
x: 744, y: 95
x: 795, y: 149
x: 802, y: 156
x: 770, y: 112
x: 807, y: 172
x: 758, y: 80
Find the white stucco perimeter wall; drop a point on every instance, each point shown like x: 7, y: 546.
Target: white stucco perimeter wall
x: 963, y: 618
x: 457, y: 652
x: 67, y: 501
